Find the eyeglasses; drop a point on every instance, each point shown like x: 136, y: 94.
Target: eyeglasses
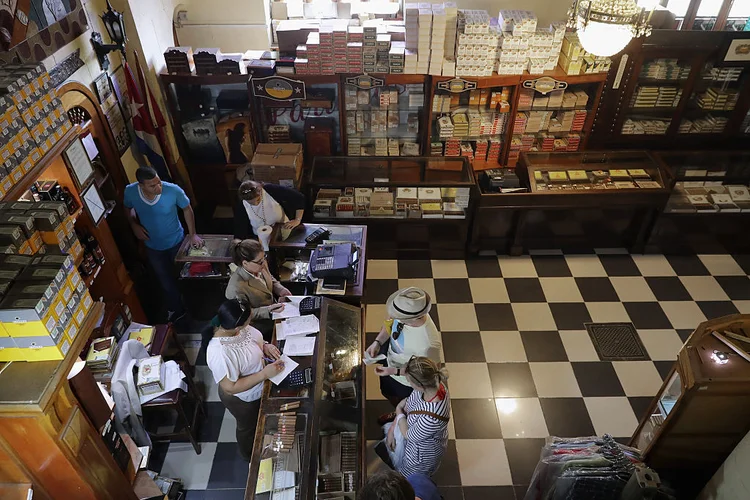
x: 259, y: 262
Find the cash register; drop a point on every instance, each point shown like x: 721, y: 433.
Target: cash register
x: 334, y: 260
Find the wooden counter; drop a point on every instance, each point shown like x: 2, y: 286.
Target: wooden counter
x: 45, y: 433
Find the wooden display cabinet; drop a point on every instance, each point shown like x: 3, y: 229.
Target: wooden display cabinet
x: 567, y: 126
x: 374, y: 125
x: 322, y: 100
x: 674, y: 90
x: 460, y: 91
x: 197, y: 104
x: 47, y: 440
x: 701, y: 411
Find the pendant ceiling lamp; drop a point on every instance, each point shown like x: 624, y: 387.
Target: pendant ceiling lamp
x: 605, y: 27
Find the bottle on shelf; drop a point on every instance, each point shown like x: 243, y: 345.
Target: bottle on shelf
x: 95, y: 249
x: 70, y: 201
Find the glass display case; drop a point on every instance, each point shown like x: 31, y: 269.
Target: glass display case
x: 708, y: 182
x: 204, y: 273
x: 420, y: 204
x: 384, y: 116
x: 554, y: 116
x: 312, y: 445
x: 313, y: 121
x: 471, y: 122
x: 611, y: 172
x: 713, y: 99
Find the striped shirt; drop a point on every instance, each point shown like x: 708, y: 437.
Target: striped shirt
x: 426, y: 437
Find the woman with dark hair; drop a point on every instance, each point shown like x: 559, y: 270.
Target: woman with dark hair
x: 236, y: 357
x: 253, y: 284
x: 417, y: 438
x: 265, y: 205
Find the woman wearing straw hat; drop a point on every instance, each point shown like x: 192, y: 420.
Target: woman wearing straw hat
x: 408, y: 331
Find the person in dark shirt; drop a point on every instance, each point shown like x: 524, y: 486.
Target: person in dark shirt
x: 391, y: 485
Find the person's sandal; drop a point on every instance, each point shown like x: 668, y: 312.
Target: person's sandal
x: 386, y: 417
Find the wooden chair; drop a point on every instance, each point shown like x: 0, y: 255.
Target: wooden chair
x: 187, y: 423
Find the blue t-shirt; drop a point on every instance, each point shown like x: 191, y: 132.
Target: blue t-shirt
x: 423, y: 486
x: 159, y: 217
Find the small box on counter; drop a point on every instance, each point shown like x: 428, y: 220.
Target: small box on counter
x: 179, y: 60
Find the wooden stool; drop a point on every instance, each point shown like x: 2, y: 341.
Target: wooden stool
x: 175, y: 401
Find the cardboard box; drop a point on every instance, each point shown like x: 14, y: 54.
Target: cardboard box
x: 278, y: 164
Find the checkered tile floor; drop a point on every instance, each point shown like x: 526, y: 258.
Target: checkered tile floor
x: 521, y: 363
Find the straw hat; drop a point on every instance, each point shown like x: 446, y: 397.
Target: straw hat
x: 408, y: 303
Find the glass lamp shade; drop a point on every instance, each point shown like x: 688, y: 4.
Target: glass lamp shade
x: 114, y: 24
x: 602, y: 39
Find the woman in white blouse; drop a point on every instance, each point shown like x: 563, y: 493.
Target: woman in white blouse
x: 236, y: 357
x: 265, y: 205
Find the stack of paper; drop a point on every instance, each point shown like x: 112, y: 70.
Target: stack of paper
x: 299, y: 346
x: 300, y: 325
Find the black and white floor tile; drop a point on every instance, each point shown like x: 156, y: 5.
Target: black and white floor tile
x: 522, y: 366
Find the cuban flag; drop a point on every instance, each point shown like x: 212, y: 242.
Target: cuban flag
x: 146, y: 117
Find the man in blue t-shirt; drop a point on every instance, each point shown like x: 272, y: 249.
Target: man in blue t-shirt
x: 152, y: 212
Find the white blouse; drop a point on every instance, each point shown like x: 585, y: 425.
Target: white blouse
x: 235, y: 357
x: 266, y: 213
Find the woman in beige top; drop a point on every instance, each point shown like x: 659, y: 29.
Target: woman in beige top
x: 253, y: 285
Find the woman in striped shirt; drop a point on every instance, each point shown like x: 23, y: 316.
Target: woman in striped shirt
x: 417, y: 438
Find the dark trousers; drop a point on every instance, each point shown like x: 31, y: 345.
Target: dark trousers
x: 246, y: 414
x: 391, y: 389
x: 162, y: 262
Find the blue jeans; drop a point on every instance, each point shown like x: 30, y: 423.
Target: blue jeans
x: 162, y: 262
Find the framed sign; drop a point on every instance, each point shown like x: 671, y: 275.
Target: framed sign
x: 457, y: 85
x: 95, y: 206
x: 738, y: 51
x: 112, y: 111
x: 279, y: 88
x: 78, y: 163
x: 545, y: 85
x: 365, y: 82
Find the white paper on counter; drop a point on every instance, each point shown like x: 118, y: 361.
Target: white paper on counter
x: 172, y: 380
x: 294, y: 299
x: 301, y: 325
x: 299, y: 346
x: 290, y: 311
x: 289, y: 366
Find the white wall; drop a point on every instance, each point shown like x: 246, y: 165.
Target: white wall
x: 236, y: 26
x: 731, y: 481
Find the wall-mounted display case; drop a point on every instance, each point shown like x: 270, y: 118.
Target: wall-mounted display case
x: 574, y: 200
x: 471, y: 118
x: 311, y: 117
x: 675, y: 89
x: 314, y: 447
x: 213, y: 128
x: 384, y: 115
x: 411, y: 206
x: 702, y: 410
x: 554, y: 113
x: 709, y: 207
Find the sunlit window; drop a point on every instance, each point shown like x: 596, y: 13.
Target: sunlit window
x: 678, y: 7
x: 740, y: 8
x: 709, y: 8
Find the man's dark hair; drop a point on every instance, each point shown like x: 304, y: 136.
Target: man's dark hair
x: 387, y: 486
x: 145, y: 173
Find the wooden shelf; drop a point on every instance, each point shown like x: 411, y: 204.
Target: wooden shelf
x: 32, y: 175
